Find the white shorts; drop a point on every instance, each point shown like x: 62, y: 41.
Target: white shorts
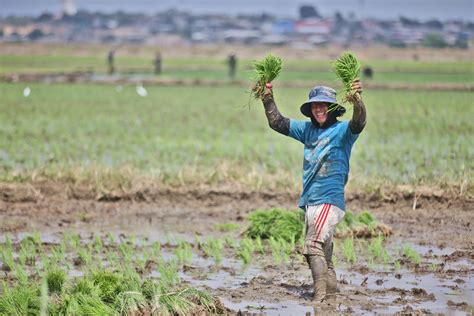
x: 320, y: 222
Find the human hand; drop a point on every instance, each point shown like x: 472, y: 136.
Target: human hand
x: 268, y: 90
x: 356, y: 87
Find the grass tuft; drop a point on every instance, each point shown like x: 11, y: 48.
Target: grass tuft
x: 266, y: 70
x: 276, y: 223
x: 347, y: 69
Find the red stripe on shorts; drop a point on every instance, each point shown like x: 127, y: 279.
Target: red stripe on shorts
x: 323, y: 222
x: 323, y: 213
x: 319, y: 216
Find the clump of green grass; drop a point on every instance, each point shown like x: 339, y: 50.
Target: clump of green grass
x: 245, y: 251
x: 226, y: 227
x: 213, y: 248
x: 266, y: 70
x: 55, y: 279
x: 19, y: 300
x: 362, y: 225
x: 276, y: 223
x: 411, y: 254
x: 184, y: 253
x: 348, y: 250
x: 347, y: 69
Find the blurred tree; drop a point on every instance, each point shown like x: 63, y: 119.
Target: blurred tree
x: 308, y: 11
x: 435, y: 40
x: 35, y: 34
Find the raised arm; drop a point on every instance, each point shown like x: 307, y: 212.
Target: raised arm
x: 276, y: 121
x: 359, y: 115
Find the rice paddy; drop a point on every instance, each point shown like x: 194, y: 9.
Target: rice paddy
x: 148, y: 199
x: 76, y: 132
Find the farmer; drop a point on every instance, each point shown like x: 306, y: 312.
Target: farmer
x: 327, y: 149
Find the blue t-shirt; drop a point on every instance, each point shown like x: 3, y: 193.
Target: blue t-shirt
x: 326, y: 161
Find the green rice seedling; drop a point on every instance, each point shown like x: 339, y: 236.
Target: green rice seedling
x: 246, y: 250
x: 27, y: 253
x: 85, y: 256
x: 396, y: 265
x: 131, y: 279
x: 169, y: 275
x: 112, y: 259
x: 184, y: 253
x: 275, y: 246
x: 130, y: 302
x: 85, y: 286
x: 411, y: 254
x: 259, y: 245
x: 21, y: 275
x: 276, y: 222
x: 150, y: 288
x: 98, y: 244
x: 174, y: 303
x: 9, y: 241
x: 226, y: 227
x: 366, y: 218
x: 347, y: 69
x: 44, y: 299
x: 265, y: 71
x: 19, y: 300
x: 93, y: 305
x: 36, y: 237
x: 213, y: 248
x: 245, y: 255
x: 348, y: 250
x: 68, y: 306
x: 111, y: 238
x: 55, y: 279
x: 109, y: 285
x: 75, y: 242
x: 6, y: 256
x: 156, y: 249
x: 229, y: 241
x: 376, y: 247
x: 202, y: 298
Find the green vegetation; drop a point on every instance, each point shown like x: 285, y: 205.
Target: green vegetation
x: 266, y: 70
x: 347, y: 69
x: 276, y: 223
x: 348, y: 250
x: 227, y: 227
x: 213, y: 248
x: 124, y: 288
x: 386, y: 71
x: 411, y: 254
x: 363, y: 224
x: 49, y: 134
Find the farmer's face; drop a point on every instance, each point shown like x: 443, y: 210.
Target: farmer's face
x: 320, y: 111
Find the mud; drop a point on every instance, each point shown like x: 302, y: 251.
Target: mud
x: 438, y: 228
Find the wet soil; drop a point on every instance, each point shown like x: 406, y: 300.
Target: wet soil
x: 437, y: 225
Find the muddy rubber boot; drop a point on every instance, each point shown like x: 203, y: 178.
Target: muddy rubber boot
x: 331, y: 288
x: 319, y: 273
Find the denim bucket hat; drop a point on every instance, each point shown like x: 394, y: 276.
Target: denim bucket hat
x: 322, y: 94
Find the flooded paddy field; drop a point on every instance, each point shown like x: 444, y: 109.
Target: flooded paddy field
x: 426, y: 266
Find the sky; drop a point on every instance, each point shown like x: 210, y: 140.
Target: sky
x: 382, y: 9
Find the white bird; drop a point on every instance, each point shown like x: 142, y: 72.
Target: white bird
x: 141, y: 91
x: 26, y: 92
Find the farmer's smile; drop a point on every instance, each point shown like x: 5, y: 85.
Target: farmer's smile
x: 319, y: 111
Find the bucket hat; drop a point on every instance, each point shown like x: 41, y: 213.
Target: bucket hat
x: 322, y: 94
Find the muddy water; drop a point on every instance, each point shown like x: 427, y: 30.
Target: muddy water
x: 439, y: 285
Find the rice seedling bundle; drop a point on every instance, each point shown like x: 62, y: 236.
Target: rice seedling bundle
x: 266, y: 70
x: 347, y: 69
x: 276, y: 223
